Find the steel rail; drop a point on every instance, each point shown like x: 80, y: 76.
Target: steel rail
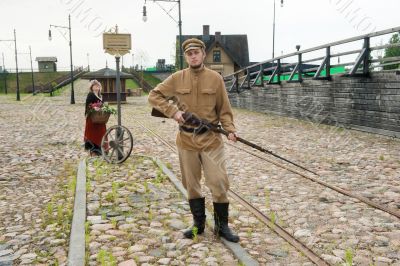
x: 279, y: 230
x: 333, y: 187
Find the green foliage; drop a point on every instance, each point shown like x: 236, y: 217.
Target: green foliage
x: 114, y: 222
x: 60, y: 214
x: 348, y: 256
x: 112, y: 196
x: 160, y: 178
x: 131, y: 84
x: 272, y: 217
x: 106, y: 258
x: 392, y: 51
x: 108, y: 109
x: 25, y: 80
x: 152, y: 80
x: 195, y: 232
x: 168, y: 165
x: 146, y: 187
x: 249, y: 232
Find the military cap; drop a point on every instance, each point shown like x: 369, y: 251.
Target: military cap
x: 192, y: 43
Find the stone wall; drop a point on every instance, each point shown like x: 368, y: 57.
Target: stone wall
x: 370, y: 104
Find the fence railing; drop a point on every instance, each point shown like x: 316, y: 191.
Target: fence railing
x: 273, y: 71
x: 57, y: 83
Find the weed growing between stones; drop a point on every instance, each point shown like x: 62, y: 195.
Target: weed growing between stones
x: 87, y: 241
x: 168, y: 165
x: 272, y: 217
x: 56, y: 217
x: 249, y: 232
x: 195, y: 231
x: 105, y: 258
x: 348, y: 257
x: 267, y: 198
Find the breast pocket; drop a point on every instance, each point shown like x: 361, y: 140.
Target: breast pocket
x: 208, y: 97
x: 183, y: 97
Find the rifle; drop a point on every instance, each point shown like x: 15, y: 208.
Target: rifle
x: 156, y: 113
x: 191, y: 119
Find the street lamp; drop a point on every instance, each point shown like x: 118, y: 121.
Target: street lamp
x: 273, y: 32
x: 179, y: 24
x: 88, y: 64
x: 16, y: 61
x: 4, y: 75
x: 144, y: 13
x: 32, y: 79
x: 70, y: 54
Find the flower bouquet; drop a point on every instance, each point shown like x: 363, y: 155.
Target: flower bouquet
x: 100, y: 112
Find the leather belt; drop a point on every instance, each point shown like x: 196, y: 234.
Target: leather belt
x: 195, y: 130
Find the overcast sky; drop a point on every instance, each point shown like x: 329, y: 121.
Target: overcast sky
x: 308, y: 23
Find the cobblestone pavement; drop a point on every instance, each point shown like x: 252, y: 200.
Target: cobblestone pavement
x: 41, y: 144
x: 333, y: 225
x: 136, y: 216
x: 39, y: 150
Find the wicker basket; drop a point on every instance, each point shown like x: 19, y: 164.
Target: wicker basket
x: 99, y: 117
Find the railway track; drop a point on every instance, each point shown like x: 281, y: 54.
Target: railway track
x: 311, y: 255
x: 323, y: 183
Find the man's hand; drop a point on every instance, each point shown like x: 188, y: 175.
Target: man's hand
x: 178, y: 117
x: 232, y: 136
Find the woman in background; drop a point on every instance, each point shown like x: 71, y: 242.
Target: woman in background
x: 93, y: 132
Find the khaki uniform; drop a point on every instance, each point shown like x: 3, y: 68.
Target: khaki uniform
x: 201, y: 92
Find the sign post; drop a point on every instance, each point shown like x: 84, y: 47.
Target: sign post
x: 117, y: 44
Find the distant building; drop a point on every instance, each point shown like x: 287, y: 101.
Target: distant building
x: 107, y: 78
x: 160, y: 64
x: 225, y: 53
x: 47, y: 64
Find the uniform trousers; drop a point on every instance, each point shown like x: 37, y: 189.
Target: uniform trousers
x: 213, y: 164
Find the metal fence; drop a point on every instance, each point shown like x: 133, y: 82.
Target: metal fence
x: 317, y: 65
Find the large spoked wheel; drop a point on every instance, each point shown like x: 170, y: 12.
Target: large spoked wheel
x: 116, y: 145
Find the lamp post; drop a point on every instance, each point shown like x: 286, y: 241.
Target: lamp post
x: 16, y: 61
x: 5, y: 75
x: 70, y: 54
x: 273, y: 31
x: 179, y: 24
x: 88, y: 64
x: 33, y: 80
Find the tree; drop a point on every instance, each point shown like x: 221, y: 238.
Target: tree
x: 392, y: 51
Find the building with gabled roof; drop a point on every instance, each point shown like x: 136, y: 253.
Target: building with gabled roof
x: 47, y: 64
x: 107, y: 78
x: 225, y: 53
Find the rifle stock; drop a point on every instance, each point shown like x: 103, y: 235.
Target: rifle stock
x: 157, y: 113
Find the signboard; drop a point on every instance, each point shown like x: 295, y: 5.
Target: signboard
x: 116, y: 43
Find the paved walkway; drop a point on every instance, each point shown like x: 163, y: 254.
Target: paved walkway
x: 331, y: 224
x: 39, y: 151
x: 40, y: 147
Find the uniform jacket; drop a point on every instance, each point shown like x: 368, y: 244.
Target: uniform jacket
x: 201, y: 92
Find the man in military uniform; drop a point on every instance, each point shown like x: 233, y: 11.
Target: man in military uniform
x: 202, y: 92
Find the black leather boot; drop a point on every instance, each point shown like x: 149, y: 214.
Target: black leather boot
x: 221, y: 222
x: 198, y: 209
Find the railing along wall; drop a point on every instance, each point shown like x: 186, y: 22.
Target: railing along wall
x: 273, y: 69
x: 59, y: 82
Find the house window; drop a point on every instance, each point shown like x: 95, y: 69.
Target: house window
x: 217, y: 56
